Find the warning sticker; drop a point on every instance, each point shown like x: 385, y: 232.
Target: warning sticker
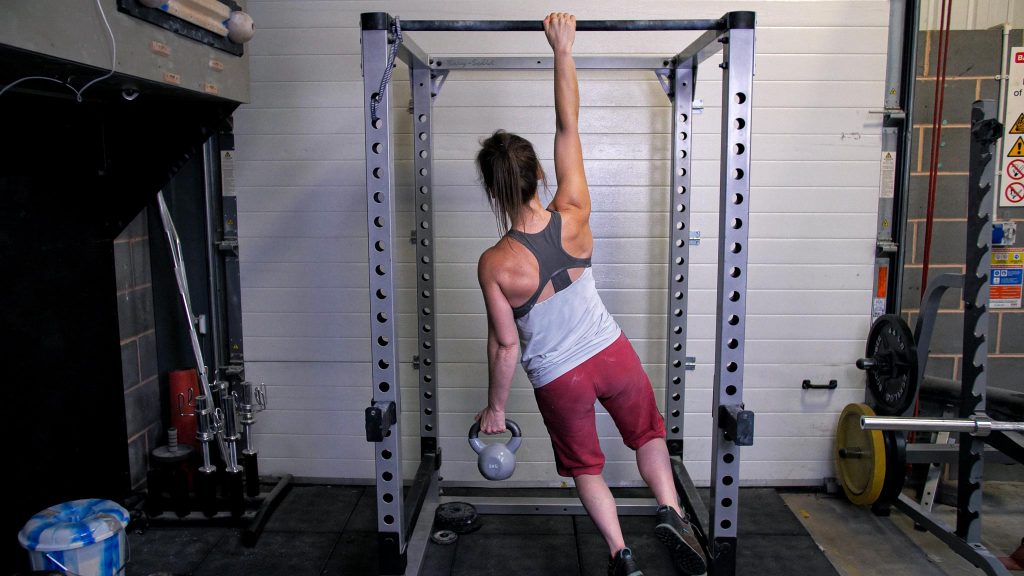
x: 1017, y: 149
x: 1007, y: 278
x: 1014, y: 194
x: 887, y: 186
x: 1018, y: 126
x: 1011, y: 157
x: 1015, y: 169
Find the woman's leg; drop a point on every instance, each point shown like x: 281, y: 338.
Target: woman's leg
x: 656, y: 470
x: 600, y: 504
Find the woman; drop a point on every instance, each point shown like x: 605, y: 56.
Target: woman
x: 539, y: 292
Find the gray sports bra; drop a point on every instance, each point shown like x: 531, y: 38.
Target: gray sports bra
x: 554, y: 261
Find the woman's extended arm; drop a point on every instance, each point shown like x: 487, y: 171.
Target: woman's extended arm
x: 572, y: 193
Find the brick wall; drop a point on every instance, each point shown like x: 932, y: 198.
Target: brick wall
x: 138, y: 345
x: 973, y: 65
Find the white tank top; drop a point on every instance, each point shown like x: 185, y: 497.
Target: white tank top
x: 564, y: 331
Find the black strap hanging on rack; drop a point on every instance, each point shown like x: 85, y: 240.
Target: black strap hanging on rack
x: 396, y: 30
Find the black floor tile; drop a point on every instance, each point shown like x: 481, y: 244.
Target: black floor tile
x: 171, y: 550
x: 354, y: 555
x: 364, y: 515
x: 438, y: 559
x: 276, y: 554
x: 491, y: 554
x: 315, y: 509
x: 524, y: 524
x: 781, y: 555
x: 762, y: 511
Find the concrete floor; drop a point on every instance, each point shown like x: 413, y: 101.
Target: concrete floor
x: 858, y: 543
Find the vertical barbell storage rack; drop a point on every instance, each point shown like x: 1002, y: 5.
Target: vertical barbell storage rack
x: 403, y: 520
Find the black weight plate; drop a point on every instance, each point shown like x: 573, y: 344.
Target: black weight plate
x: 892, y: 381
x: 895, y: 466
x: 459, y: 517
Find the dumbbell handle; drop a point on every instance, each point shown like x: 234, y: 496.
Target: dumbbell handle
x: 975, y: 425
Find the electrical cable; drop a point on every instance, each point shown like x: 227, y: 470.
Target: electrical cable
x: 375, y: 100
x: 78, y: 91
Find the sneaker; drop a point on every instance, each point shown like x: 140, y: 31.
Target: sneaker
x: 623, y: 564
x: 677, y: 535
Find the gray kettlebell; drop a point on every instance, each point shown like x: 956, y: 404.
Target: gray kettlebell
x: 496, y: 461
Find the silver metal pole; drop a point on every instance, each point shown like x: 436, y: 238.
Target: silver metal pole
x: 975, y: 426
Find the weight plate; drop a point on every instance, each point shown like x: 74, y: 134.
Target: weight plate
x: 860, y: 456
x: 892, y: 373
x: 895, y: 466
x: 444, y: 537
x: 459, y: 517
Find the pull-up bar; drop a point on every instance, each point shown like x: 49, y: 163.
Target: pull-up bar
x: 379, y: 21
x: 538, y: 26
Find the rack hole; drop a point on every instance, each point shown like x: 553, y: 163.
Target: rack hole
x: 677, y: 312
x: 680, y: 277
x: 726, y: 524
x: 734, y: 272
x: 680, y: 207
x: 427, y: 345
x: 740, y: 123
x: 734, y: 320
x: 733, y: 343
x: 386, y: 454
x: 428, y: 395
x: 677, y: 347
x: 427, y: 328
x: 381, y: 294
x: 739, y: 148
x: 681, y: 190
x: 376, y: 147
x: 683, y: 117
x: 425, y: 277
x: 730, y: 390
x: 377, y: 172
x: 428, y: 378
x: 677, y: 329
x: 378, y: 245
x: 680, y: 260
x: 677, y: 364
x: 682, y: 171
x: 727, y: 480
x: 740, y: 97
x: 731, y: 366
x: 675, y: 429
x: 677, y: 381
x: 389, y: 498
x: 737, y: 223
x: 425, y: 293
x: 378, y: 197
x: 738, y: 174
x: 734, y: 296
x: 726, y: 502
x: 736, y: 248
x: 423, y: 136
x: 425, y: 225
x: 675, y: 413
x: 378, y: 122
x: 425, y: 259
x: 423, y: 153
x: 389, y: 519
x: 426, y: 311
x: 380, y: 270
x: 382, y: 317
x: 384, y: 386
x: 428, y: 411
x: 682, y: 135
x: 428, y: 428
x: 378, y: 221
x: 679, y: 225
x: 383, y: 340
x: 737, y: 199
x: 682, y: 154
x: 425, y: 242
x: 387, y: 476
x: 675, y: 397
x: 424, y: 189
x: 423, y: 171
x: 728, y: 458
x: 422, y: 118
x: 383, y: 364
x: 679, y: 243
x: 678, y: 295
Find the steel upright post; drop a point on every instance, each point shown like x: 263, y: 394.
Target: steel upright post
x: 421, y: 78
x: 679, y: 255
x: 734, y: 203
x: 976, y: 294
x: 383, y: 318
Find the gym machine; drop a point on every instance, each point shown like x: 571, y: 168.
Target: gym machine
x: 404, y: 519
x: 872, y: 451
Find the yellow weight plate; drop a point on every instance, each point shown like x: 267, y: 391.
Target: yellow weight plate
x: 860, y: 456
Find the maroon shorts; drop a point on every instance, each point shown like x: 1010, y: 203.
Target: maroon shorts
x: 616, y: 378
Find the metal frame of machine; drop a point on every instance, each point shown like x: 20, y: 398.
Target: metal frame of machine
x: 402, y: 539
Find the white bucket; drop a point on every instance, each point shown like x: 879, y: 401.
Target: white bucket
x: 81, y: 537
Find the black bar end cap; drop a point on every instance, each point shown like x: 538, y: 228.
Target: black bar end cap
x: 736, y: 20
x: 375, y: 20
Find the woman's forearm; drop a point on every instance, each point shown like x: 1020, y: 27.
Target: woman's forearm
x: 567, y: 93
x: 501, y: 361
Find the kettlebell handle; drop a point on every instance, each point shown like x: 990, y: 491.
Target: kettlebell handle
x: 474, y: 430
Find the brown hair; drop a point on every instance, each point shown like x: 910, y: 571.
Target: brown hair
x: 509, y: 167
